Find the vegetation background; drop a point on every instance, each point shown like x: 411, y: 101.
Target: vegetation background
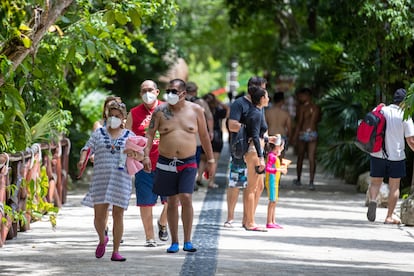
x: 60, y: 59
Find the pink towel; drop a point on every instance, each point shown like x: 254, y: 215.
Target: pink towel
x: 136, y: 143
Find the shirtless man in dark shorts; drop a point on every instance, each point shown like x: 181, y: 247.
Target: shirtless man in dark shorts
x: 178, y: 121
x: 306, y: 134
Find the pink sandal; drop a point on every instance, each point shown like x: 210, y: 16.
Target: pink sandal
x: 100, y: 249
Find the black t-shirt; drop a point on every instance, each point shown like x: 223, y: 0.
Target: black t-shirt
x: 256, y: 127
x: 239, y: 111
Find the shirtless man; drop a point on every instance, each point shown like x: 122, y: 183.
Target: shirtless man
x: 178, y: 121
x: 278, y: 120
x: 306, y: 135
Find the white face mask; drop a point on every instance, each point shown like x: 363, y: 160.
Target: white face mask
x: 149, y: 98
x: 172, y: 99
x: 114, y: 122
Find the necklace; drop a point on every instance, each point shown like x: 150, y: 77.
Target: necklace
x: 112, y: 144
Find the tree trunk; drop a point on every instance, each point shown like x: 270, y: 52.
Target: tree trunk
x: 17, y: 53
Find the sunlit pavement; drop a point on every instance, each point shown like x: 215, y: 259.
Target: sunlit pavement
x: 325, y: 232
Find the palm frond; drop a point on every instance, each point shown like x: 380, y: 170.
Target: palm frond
x: 44, y: 129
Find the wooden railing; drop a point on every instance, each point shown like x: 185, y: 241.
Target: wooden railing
x: 27, y: 165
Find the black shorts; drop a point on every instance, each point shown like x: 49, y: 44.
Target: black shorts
x: 386, y: 168
x: 175, y: 176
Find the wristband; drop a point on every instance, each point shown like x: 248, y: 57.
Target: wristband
x: 211, y: 161
x: 146, y: 157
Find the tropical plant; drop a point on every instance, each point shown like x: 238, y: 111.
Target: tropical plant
x: 36, y: 205
x: 337, y: 152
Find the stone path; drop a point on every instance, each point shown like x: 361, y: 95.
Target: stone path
x: 325, y: 233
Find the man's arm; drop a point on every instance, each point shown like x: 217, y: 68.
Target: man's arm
x: 203, y: 134
x: 209, y: 117
x: 234, y: 125
x: 150, y: 133
x: 288, y: 125
x: 128, y: 124
x: 298, y: 127
x: 410, y: 142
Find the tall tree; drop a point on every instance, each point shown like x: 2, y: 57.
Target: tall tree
x: 53, y: 55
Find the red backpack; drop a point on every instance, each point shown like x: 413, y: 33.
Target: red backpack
x: 371, y: 131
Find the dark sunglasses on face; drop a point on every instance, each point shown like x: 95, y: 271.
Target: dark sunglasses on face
x: 173, y: 91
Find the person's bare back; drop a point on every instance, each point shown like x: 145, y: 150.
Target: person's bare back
x: 278, y: 121
x: 309, y: 117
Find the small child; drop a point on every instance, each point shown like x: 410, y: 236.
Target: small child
x: 273, y: 170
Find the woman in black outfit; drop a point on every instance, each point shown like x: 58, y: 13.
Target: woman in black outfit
x: 256, y: 128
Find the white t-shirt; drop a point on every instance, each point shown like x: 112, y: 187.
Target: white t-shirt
x: 396, y: 131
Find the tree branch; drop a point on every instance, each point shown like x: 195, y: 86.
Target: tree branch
x: 17, y: 53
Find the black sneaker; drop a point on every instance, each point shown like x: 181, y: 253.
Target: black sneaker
x: 162, y: 232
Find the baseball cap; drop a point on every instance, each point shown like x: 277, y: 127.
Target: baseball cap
x: 399, y: 95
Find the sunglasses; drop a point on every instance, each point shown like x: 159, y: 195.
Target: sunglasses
x: 173, y: 91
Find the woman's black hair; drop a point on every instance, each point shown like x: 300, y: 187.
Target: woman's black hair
x: 256, y: 93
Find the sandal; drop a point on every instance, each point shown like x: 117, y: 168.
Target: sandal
x: 392, y: 221
x: 228, y: 224
x: 256, y: 229
x: 213, y: 186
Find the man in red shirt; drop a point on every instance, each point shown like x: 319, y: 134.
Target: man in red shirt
x: 138, y: 120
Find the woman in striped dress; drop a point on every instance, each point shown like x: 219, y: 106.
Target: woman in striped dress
x: 111, y: 183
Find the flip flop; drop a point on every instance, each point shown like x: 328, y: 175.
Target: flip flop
x: 213, y: 186
x: 394, y: 221
x: 256, y: 229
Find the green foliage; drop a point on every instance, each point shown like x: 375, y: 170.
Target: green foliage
x: 77, y: 55
x: 337, y: 152
x: 14, y: 215
x: 37, y: 192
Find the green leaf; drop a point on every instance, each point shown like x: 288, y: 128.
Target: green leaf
x: 70, y: 54
x: 27, y: 42
x: 24, y: 27
x: 37, y: 72
x: 135, y: 17
x: 121, y: 18
x: 104, y: 35
x: 90, y: 46
x: 109, y: 17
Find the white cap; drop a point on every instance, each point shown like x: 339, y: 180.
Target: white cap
x: 278, y: 141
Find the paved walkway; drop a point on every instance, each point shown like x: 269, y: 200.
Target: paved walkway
x: 325, y: 233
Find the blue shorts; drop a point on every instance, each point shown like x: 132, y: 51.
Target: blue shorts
x: 175, y: 176
x: 143, y: 189
x: 199, y: 151
x: 386, y: 168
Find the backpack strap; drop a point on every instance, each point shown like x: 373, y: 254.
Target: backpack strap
x: 379, y: 109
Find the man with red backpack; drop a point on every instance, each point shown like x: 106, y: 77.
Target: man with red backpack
x: 392, y: 163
